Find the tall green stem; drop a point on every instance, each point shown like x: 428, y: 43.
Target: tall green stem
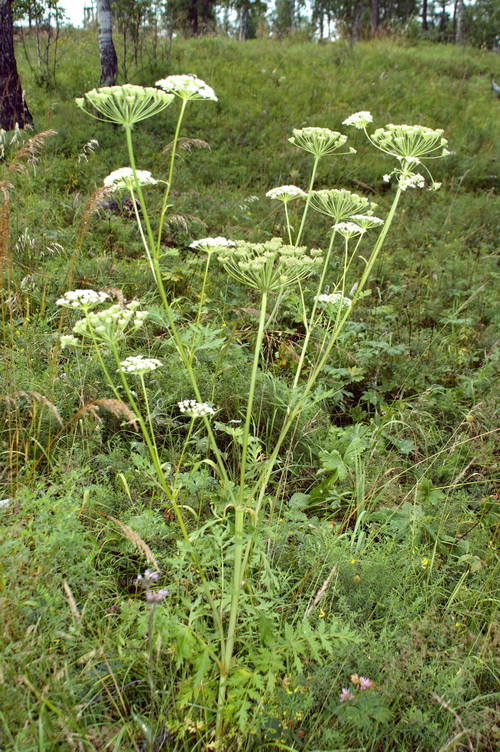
x: 239, y: 522
x: 308, y: 199
x: 170, y: 173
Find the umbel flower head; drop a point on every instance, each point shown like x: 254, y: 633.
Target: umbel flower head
x: 340, y: 204
x: 268, y: 267
x: 211, y: 245
x: 124, y: 179
x: 111, y: 325
x: 348, y: 229
x: 317, y: 141
x: 410, y: 142
x: 195, y: 409
x: 366, y: 221
x: 286, y: 193
x: 84, y: 300
x: 124, y: 105
x: 359, y: 119
x: 335, y: 299
x: 139, y: 365
x: 187, y: 86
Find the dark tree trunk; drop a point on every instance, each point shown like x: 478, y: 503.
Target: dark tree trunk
x: 459, y: 22
x: 206, y: 15
x: 107, y: 52
x: 375, y: 17
x: 424, y: 15
x: 356, y: 21
x: 13, y: 108
x: 193, y: 17
x: 244, y: 22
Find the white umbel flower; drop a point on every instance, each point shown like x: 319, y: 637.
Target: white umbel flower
x: 366, y: 221
x: 334, y: 299
x: 348, y: 229
x: 211, y: 245
x: 413, y: 180
x: 82, y: 299
x: 286, y: 193
x: 195, y: 409
x: 187, y: 87
x: 317, y: 141
x: 359, y: 119
x: 124, y: 105
x: 139, y: 365
x: 123, y: 179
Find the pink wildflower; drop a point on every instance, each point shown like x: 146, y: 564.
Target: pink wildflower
x: 365, y: 683
x: 346, y: 695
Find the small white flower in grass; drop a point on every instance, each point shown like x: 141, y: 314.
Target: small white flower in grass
x: 286, y: 193
x: 359, y: 119
x: 123, y: 179
x: 82, y: 299
x: 195, y: 409
x: 387, y: 177
x: 414, y: 180
x: 68, y: 340
x: 348, y: 229
x: 334, y: 299
x: 187, y: 87
x: 140, y: 365
x: 211, y: 245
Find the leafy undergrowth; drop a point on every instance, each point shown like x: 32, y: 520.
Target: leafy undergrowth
x: 375, y: 571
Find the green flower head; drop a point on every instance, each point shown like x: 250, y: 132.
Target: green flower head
x: 268, y: 267
x: 124, y: 105
x: 340, y: 204
x: 410, y: 142
x: 317, y: 141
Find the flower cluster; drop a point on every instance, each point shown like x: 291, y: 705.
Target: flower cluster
x: 145, y: 581
x: 108, y: 326
x: 82, y: 299
x: 366, y: 221
x: 334, y: 299
x: 124, y: 105
x: 286, y: 193
x: 139, y: 365
x: 340, y: 204
x: 187, y: 87
x: 195, y: 409
x: 318, y: 141
x: 125, y: 179
x: 211, y: 245
x: 359, y: 119
x: 348, y: 229
x: 410, y: 142
x: 360, y: 683
x: 269, y: 267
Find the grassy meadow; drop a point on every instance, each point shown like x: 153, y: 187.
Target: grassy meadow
x: 327, y: 529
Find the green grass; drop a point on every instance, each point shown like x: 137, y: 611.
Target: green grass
x: 386, y: 493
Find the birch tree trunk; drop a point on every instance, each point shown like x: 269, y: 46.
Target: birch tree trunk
x: 107, y: 52
x: 13, y: 108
